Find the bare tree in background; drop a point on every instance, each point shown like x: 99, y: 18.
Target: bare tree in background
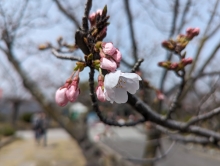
x: 185, y: 96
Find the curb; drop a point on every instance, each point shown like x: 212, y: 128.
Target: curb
x: 7, y: 141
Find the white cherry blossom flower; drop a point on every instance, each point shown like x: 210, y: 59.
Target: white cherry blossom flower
x: 117, y: 84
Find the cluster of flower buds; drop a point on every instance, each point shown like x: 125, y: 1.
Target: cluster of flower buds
x: 98, y: 21
x: 102, y: 56
x: 68, y: 92
x: 176, y: 66
x: 182, y: 40
x: 110, y: 56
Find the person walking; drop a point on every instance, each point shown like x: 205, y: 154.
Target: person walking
x: 40, y: 127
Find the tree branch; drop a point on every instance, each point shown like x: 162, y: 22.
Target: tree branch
x: 205, y: 38
x: 152, y: 116
x: 169, y: 54
x: 185, y: 139
x: 175, y: 103
x: 131, y: 28
x: 88, y: 6
x: 150, y: 160
x: 183, y: 18
x: 67, y: 14
x: 137, y: 65
x: 61, y: 56
x: 205, y: 116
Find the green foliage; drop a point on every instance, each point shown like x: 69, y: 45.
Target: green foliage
x: 7, y: 130
x: 26, y: 117
x: 2, y: 118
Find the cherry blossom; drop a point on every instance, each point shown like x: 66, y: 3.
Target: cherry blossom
x: 117, y: 84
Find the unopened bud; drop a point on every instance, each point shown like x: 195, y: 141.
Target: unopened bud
x: 95, y: 32
x: 196, y: 31
x: 96, y: 64
x: 187, y: 61
x: 90, y: 56
x: 165, y: 64
x: 44, y: 46
x: 168, y: 45
x: 92, y: 19
x: 80, y: 66
x: 173, y: 66
x: 98, y: 45
x: 104, y: 11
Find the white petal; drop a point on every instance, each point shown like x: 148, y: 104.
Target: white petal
x: 132, y: 86
x: 111, y: 79
x: 121, y: 95
x: 109, y: 94
x: 131, y: 76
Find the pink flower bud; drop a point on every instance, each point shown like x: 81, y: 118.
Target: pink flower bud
x: 92, y: 18
x: 187, y: 61
x: 108, y: 48
x: 173, y: 66
x: 117, y: 56
x: 168, y: 45
x: 160, y: 95
x: 102, y: 54
x: 189, y: 30
x: 192, y: 32
x: 60, y: 97
x: 108, y: 64
x: 196, y: 31
x: 72, y: 93
x: 99, y: 11
x: 100, y: 94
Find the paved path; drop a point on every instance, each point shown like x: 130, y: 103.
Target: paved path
x: 60, y: 151
x: 129, y: 142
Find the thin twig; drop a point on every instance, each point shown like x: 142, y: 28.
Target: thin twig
x: 215, y: 50
x: 205, y: 116
x: 205, y: 38
x: 61, y: 56
x: 169, y: 54
x: 137, y: 65
x: 183, y: 18
x: 150, y: 160
x: 66, y: 13
x: 184, y: 139
x: 175, y: 103
x: 88, y: 6
x: 131, y: 28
